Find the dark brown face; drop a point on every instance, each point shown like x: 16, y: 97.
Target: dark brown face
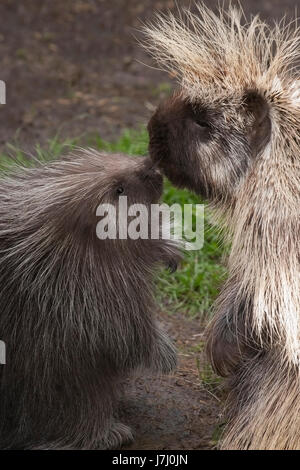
x: 208, y: 149
x: 141, y: 183
x: 114, y: 176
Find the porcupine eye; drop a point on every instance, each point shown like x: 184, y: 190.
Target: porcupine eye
x: 120, y: 190
x: 200, y: 118
x: 202, y: 123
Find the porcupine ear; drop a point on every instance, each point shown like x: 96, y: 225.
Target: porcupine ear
x: 260, y: 131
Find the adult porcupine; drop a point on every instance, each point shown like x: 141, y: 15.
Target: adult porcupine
x: 231, y: 134
x: 76, y: 312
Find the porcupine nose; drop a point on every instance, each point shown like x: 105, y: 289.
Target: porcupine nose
x: 152, y: 178
x: 155, y: 171
x: 151, y: 170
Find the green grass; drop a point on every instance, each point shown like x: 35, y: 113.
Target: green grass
x: 131, y: 142
x: 54, y: 148
x: 194, y: 286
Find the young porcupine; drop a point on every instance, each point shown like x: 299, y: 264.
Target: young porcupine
x: 232, y: 134
x: 76, y: 311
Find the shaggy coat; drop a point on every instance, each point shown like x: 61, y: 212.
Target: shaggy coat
x: 76, y: 312
x: 231, y: 133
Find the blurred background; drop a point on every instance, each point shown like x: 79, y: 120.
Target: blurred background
x: 75, y: 66
x: 76, y: 75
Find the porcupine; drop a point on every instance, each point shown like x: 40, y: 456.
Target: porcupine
x: 77, y: 313
x: 231, y: 133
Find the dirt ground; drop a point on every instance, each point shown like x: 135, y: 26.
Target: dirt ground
x: 75, y: 67
x: 181, y: 411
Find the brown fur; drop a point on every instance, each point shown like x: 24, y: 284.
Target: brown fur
x: 77, y: 312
